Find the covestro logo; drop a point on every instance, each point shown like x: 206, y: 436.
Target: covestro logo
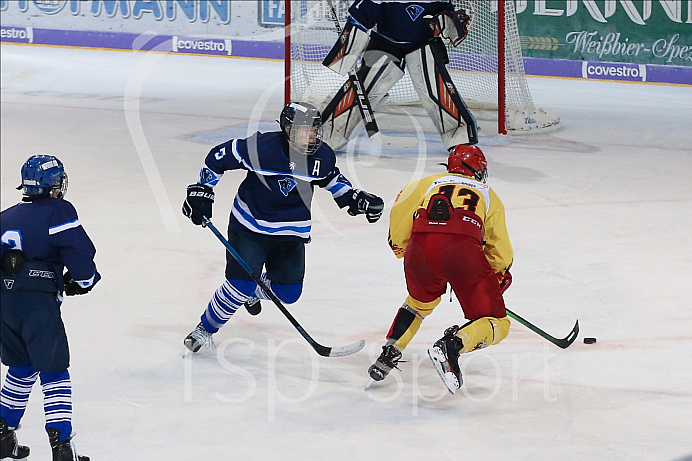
x: 614, y: 71
x: 17, y: 34
x: 201, y: 45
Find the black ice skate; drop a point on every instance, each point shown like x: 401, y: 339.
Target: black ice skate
x: 9, y: 447
x: 445, y: 357
x: 199, y: 337
x: 253, y: 306
x: 388, y: 359
x: 63, y: 450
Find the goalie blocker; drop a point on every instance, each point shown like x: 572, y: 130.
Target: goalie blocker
x: 381, y: 68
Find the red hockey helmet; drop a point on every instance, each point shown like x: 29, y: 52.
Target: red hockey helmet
x: 469, y: 161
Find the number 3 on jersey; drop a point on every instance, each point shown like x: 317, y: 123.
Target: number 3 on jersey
x: 13, y: 239
x: 470, y: 203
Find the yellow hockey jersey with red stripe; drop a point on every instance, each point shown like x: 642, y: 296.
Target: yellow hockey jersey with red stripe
x: 464, y: 193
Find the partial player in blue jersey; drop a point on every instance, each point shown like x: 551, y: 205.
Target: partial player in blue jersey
x: 383, y: 37
x: 270, y: 219
x: 41, y: 236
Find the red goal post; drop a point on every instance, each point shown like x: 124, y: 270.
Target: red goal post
x: 490, y: 78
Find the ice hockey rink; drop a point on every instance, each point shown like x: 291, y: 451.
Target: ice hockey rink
x: 599, y: 213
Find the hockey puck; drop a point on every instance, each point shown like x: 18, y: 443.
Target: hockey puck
x: 589, y: 340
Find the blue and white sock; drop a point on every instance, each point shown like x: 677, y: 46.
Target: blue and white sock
x: 226, y: 300
x: 15, y: 393
x: 57, y: 401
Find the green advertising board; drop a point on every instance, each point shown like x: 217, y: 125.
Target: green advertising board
x: 628, y: 31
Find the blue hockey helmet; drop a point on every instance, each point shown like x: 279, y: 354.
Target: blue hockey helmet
x: 42, y: 175
x: 301, y: 122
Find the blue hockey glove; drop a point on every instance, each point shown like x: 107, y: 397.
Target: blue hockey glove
x: 364, y: 202
x: 198, y: 203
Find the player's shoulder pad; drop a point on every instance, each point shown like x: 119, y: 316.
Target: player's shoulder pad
x: 63, y: 206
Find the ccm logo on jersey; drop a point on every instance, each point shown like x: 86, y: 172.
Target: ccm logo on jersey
x: 472, y: 221
x: 42, y: 274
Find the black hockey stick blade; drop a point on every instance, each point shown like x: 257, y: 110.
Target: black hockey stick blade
x: 563, y: 343
x: 339, y: 351
x: 319, y: 348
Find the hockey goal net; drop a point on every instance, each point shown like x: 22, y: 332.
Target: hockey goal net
x: 473, y: 65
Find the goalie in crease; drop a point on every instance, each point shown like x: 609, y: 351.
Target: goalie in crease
x: 386, y: 37
x: 450, y: 228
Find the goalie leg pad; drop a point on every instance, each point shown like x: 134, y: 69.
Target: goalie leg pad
x: 379, y: 73
x: 483, y: 332
x: 440, y: 98
x: 344, y: 55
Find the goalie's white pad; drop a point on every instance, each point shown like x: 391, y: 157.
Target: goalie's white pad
x: 341, y: 116
x: 440, y: 98
x: 344, y: 55
x: 451, y: 26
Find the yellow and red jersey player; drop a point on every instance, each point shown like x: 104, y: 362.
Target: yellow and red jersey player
x: 450, y: 228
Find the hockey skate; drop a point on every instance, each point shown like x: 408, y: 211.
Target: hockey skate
x: 199, y: 337
x: 63, y: 450
x: 253, y: 306
x: 388, y: 359
x: 445, y: 357
x: 9, y: 447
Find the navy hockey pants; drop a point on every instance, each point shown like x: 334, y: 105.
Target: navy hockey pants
x: 32, y: 331
x: 284, y: 260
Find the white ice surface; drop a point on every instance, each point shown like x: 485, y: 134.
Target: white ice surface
x: 600, y: 215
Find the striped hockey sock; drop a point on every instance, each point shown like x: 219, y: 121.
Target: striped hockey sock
x: 225, y: 302
x: 57, y: 401
x: 15, y: 393
x: 259, y: 292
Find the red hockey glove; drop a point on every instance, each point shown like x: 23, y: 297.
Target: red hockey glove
x: 505, y: 280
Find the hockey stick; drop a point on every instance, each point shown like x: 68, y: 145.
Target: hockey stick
x: 320, y: 349
x: 366, y: 112
x: 563, y: 343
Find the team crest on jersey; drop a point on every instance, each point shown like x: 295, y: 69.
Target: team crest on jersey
x: 9, y: 283
x: 414, y: 11
x: 286, y: 185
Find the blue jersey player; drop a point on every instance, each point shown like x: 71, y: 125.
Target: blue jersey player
x: 270, y: 220
x: 383, y: 37
x: 41, y: 236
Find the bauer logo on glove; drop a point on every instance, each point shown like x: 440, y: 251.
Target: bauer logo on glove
x: 198, y: 203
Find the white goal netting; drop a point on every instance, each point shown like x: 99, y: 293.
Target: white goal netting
x: 473, y: 65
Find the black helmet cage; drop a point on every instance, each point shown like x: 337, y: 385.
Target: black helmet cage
x: 479, y: 175
x: 301, y: 114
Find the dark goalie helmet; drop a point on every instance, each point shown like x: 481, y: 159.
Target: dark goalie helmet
x: 301, y: 122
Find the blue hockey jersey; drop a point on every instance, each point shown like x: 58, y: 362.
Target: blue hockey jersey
x: 275, y: 197
x: 48, y: 230
x: 399, y: 22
